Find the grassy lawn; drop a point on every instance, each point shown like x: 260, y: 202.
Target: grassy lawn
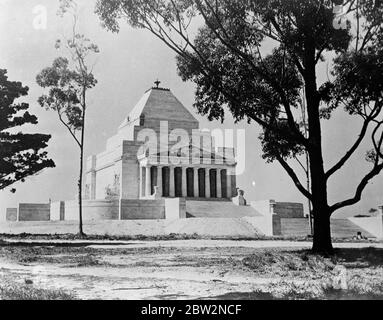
x: 11, y: 290
x: 349, y: 274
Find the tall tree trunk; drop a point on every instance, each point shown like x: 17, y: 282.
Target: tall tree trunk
x: 322, y: 233
x: 321, y: 213
x: 81, y: 232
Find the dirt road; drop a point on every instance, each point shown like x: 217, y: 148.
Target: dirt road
x: 182, y: 269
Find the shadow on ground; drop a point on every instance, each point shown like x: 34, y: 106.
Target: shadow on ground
x: 360, y: 257
x: 329, y: 295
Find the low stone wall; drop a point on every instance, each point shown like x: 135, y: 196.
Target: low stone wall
x: 92, y: 210
x: 11, y: 214
x: 277, y: 225
x: 124, y: 209
x: 34, y: 212
x: 289, y: 209
x: 142, y: 209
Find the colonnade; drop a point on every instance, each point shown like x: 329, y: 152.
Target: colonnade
x: 183, y: 181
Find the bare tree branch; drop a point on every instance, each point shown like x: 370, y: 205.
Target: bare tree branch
x: 69, y: 129
x: 359, y: 190
x: 350, y: 152
x: 294, y: 177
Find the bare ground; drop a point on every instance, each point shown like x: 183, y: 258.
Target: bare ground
x: 189, y: 269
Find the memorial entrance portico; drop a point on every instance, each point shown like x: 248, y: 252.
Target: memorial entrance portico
x: 187, y: 178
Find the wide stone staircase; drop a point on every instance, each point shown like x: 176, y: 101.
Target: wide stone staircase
x: 214, y: 227
x: 340, y: 228
x: 218, y: 209
x: 295, y: 227
x: 344, y: 228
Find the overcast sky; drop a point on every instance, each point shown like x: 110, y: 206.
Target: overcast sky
x: 128, y: 64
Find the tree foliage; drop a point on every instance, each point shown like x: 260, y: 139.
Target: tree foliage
x: 21, y: 154
x: 65, y: 89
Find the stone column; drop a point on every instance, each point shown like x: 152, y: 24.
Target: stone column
x: 141, y: 182
x: 148, y: 184
x: 207, y: 183
x: 171, y: 181
x: 195, y: 175
x: 184, y: 181
x: 228, y: 182
x: 159, y: 180
x: 219, y: 187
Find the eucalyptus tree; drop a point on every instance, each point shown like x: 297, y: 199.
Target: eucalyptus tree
x: 68, y: 81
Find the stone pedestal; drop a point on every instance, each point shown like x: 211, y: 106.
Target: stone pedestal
x: 239, y: 200
x: 157, y: 193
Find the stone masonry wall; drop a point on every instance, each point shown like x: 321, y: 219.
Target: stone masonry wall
x: 142, y: 209
x: 34, y: 211
x: 289, y: 210
x: 92, y: 210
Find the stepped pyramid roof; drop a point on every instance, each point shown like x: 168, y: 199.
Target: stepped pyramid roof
x: 159, y: 104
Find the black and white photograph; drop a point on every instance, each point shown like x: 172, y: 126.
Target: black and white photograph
x: 206, y: 151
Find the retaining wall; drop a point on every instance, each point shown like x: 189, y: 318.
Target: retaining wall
x: 289, y: 209
x: 124, y: 209
x: 34, y: 212
x: 92, y: 210
x: 142, y: 209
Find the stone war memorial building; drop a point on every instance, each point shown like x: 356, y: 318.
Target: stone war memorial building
x: 135, y: 168
x: 160, y: 167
